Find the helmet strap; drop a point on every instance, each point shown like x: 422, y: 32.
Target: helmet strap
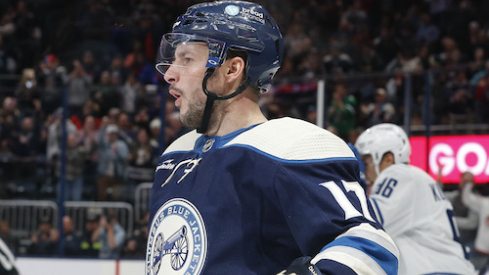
x: 211, y: 97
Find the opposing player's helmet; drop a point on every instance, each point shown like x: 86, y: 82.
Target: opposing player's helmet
x: 382, y: 138
x: 225, y: 25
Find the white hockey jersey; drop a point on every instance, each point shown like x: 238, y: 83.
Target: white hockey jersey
x: 415, y: 213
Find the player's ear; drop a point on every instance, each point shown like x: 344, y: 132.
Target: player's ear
x: 234, y: 69
x: 388, y: 158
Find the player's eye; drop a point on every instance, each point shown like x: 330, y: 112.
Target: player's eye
x: 187, y: 61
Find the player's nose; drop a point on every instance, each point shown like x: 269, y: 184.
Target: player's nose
x: 171, y: 75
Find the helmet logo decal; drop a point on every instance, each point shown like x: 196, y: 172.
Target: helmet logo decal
x: 232, y: 10
x: 212, y: 62
x: 251, y: 13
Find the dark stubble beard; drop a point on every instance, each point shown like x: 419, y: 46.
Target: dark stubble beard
x: 193, y: 117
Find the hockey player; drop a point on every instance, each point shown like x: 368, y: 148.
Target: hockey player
x: 243, y: 195
x: 410, y: 205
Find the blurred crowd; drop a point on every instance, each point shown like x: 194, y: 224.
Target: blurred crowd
x: 99, y: 56
x: 102, y: 236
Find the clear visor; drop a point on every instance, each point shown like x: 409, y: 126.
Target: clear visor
x: 184, y: 51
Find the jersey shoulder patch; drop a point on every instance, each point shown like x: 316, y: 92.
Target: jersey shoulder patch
x: 293, y: 140
x: 184, y: 143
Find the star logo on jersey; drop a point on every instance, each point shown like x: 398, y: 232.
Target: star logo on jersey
x: 188, y: 165
x: 177, y: 242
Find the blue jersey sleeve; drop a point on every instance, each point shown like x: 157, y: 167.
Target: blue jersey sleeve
x: 330, y: 217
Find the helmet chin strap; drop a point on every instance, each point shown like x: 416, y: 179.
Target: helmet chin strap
x: 211, y: 97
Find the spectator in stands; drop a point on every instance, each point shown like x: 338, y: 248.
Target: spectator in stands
x: 26, y: 146
x: 311, y: 66
x: 91, y: 108
x: 449, y: 49
x: 10, y: 118
x: 132, y: 249
x: 90, y: 246
x: 8, y: 65
x: 78, y: 88
x: 129, y: 93
x: 112, y: 163
x: 174, y: 128
x: 142, y: 118
x: 369, y: 60
x: 71, y: 245
x: 106, y: 93
x: 466, y: 218
x: 51, y: 79
x: 386, y: 44
x: 117, y: 67
x: 296, y: 42
x: 44, y: 241
x: 479, y: 204
x: 127, y: 131
x: 341, y: 112
x: 481, y: 99
x: 154, y: 130
x: 11, y: 241
x: 76, y: 154
x: 381, y: 111
x: 427, y: 31
x: 337, y: 62
x: 142, y: 159
x: 27, y: 35
x: 89, y: 139
x: 54, y: 136
x: 7, y: 263
x: 27, y: 93
x: 460, y: 107
x: 135, y: 247
x: 91, y: 66
x: 111, y: 235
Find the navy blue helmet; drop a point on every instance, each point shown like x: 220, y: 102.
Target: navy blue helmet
x: 225, y: 25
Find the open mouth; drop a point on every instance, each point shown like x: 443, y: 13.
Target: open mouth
x: 177, y: 96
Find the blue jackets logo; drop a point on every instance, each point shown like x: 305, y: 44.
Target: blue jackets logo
x: 177, y: 242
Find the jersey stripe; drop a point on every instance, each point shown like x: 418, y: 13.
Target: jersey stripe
x: 355, y: 259
x: 377, y: 211
x: 365, y: 244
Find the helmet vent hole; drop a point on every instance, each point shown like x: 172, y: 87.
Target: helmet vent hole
x: 199, y: 14
x: 269, y: 22
x: 188, y: 22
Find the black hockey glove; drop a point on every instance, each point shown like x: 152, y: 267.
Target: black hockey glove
x: 301, y: 266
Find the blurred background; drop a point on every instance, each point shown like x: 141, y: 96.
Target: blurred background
x: 84, y: 113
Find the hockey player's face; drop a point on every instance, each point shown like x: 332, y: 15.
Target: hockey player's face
x: 370, y: 173
x: 185, y: 77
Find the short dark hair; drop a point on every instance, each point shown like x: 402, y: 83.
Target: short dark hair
x: 233, y: 52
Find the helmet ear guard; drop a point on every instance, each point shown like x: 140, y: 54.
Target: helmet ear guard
x: 384, y: 138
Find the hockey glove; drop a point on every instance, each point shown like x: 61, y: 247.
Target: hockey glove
x: 301, y: 266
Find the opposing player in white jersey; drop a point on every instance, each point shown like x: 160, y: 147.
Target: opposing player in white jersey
x: 410, y: 205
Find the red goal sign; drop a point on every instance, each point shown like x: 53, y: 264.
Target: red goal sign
x: 453, y: 155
